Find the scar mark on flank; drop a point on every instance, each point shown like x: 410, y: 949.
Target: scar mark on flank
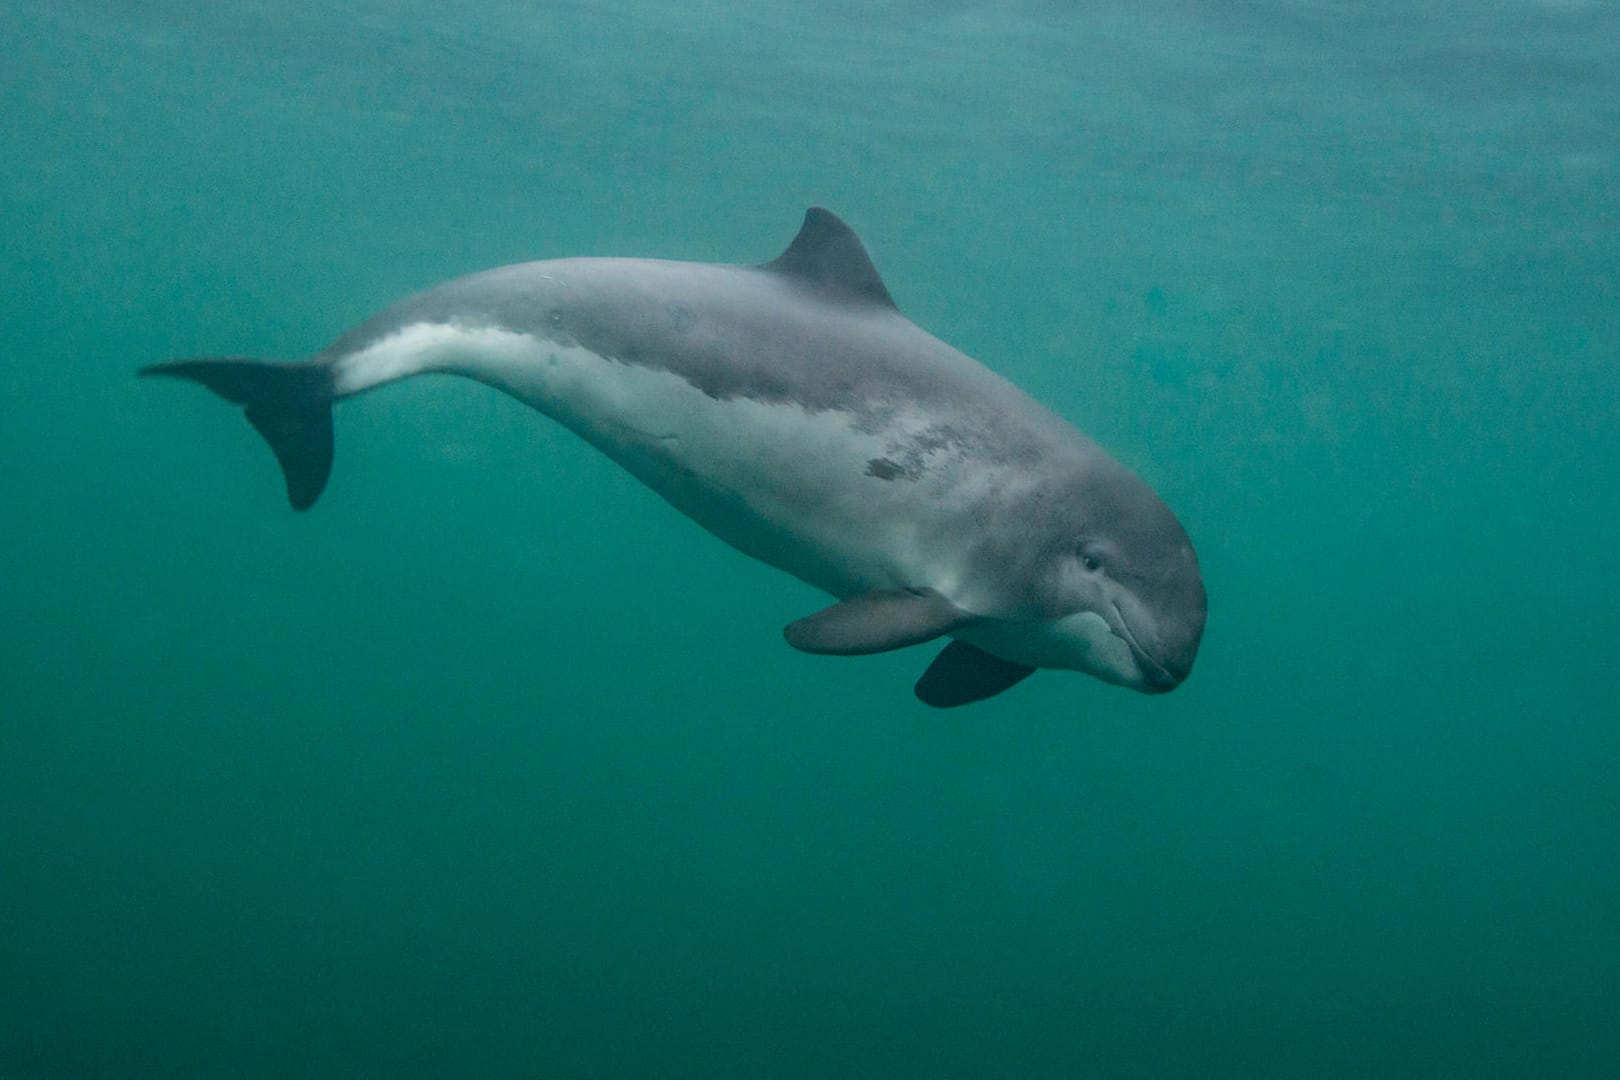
x: 681, y: 317
x: 884, y: 469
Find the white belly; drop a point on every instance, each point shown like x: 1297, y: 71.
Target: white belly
x: 792, y: 487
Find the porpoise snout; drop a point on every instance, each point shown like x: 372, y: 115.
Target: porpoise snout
x: 1162, y: 676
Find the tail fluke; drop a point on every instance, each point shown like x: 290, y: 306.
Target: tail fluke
x: 289, y: 404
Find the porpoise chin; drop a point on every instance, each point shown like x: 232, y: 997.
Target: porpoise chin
x: 791, y: 410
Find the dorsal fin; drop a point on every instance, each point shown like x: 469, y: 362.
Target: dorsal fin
x: 829, y: 257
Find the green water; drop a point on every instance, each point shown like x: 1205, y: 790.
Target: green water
x: 494, y: 765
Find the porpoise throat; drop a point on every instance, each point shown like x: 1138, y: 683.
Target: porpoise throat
x: 791, y: 410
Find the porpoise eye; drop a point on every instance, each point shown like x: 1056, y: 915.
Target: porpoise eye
x: 1089, y: 558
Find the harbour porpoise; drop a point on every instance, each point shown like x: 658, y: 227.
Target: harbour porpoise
x: 791, y: 410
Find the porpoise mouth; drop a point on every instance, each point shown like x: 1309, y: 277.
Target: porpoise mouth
x: 1159, y: 677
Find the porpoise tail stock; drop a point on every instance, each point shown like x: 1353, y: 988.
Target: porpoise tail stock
x: 791, y: 410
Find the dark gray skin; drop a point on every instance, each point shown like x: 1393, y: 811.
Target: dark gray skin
x: 792, y: 410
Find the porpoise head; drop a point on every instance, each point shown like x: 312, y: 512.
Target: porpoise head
x: 1124, y: 573
x: 1110, y: 578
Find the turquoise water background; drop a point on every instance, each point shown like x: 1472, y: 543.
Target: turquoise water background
x: 494, y: 765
